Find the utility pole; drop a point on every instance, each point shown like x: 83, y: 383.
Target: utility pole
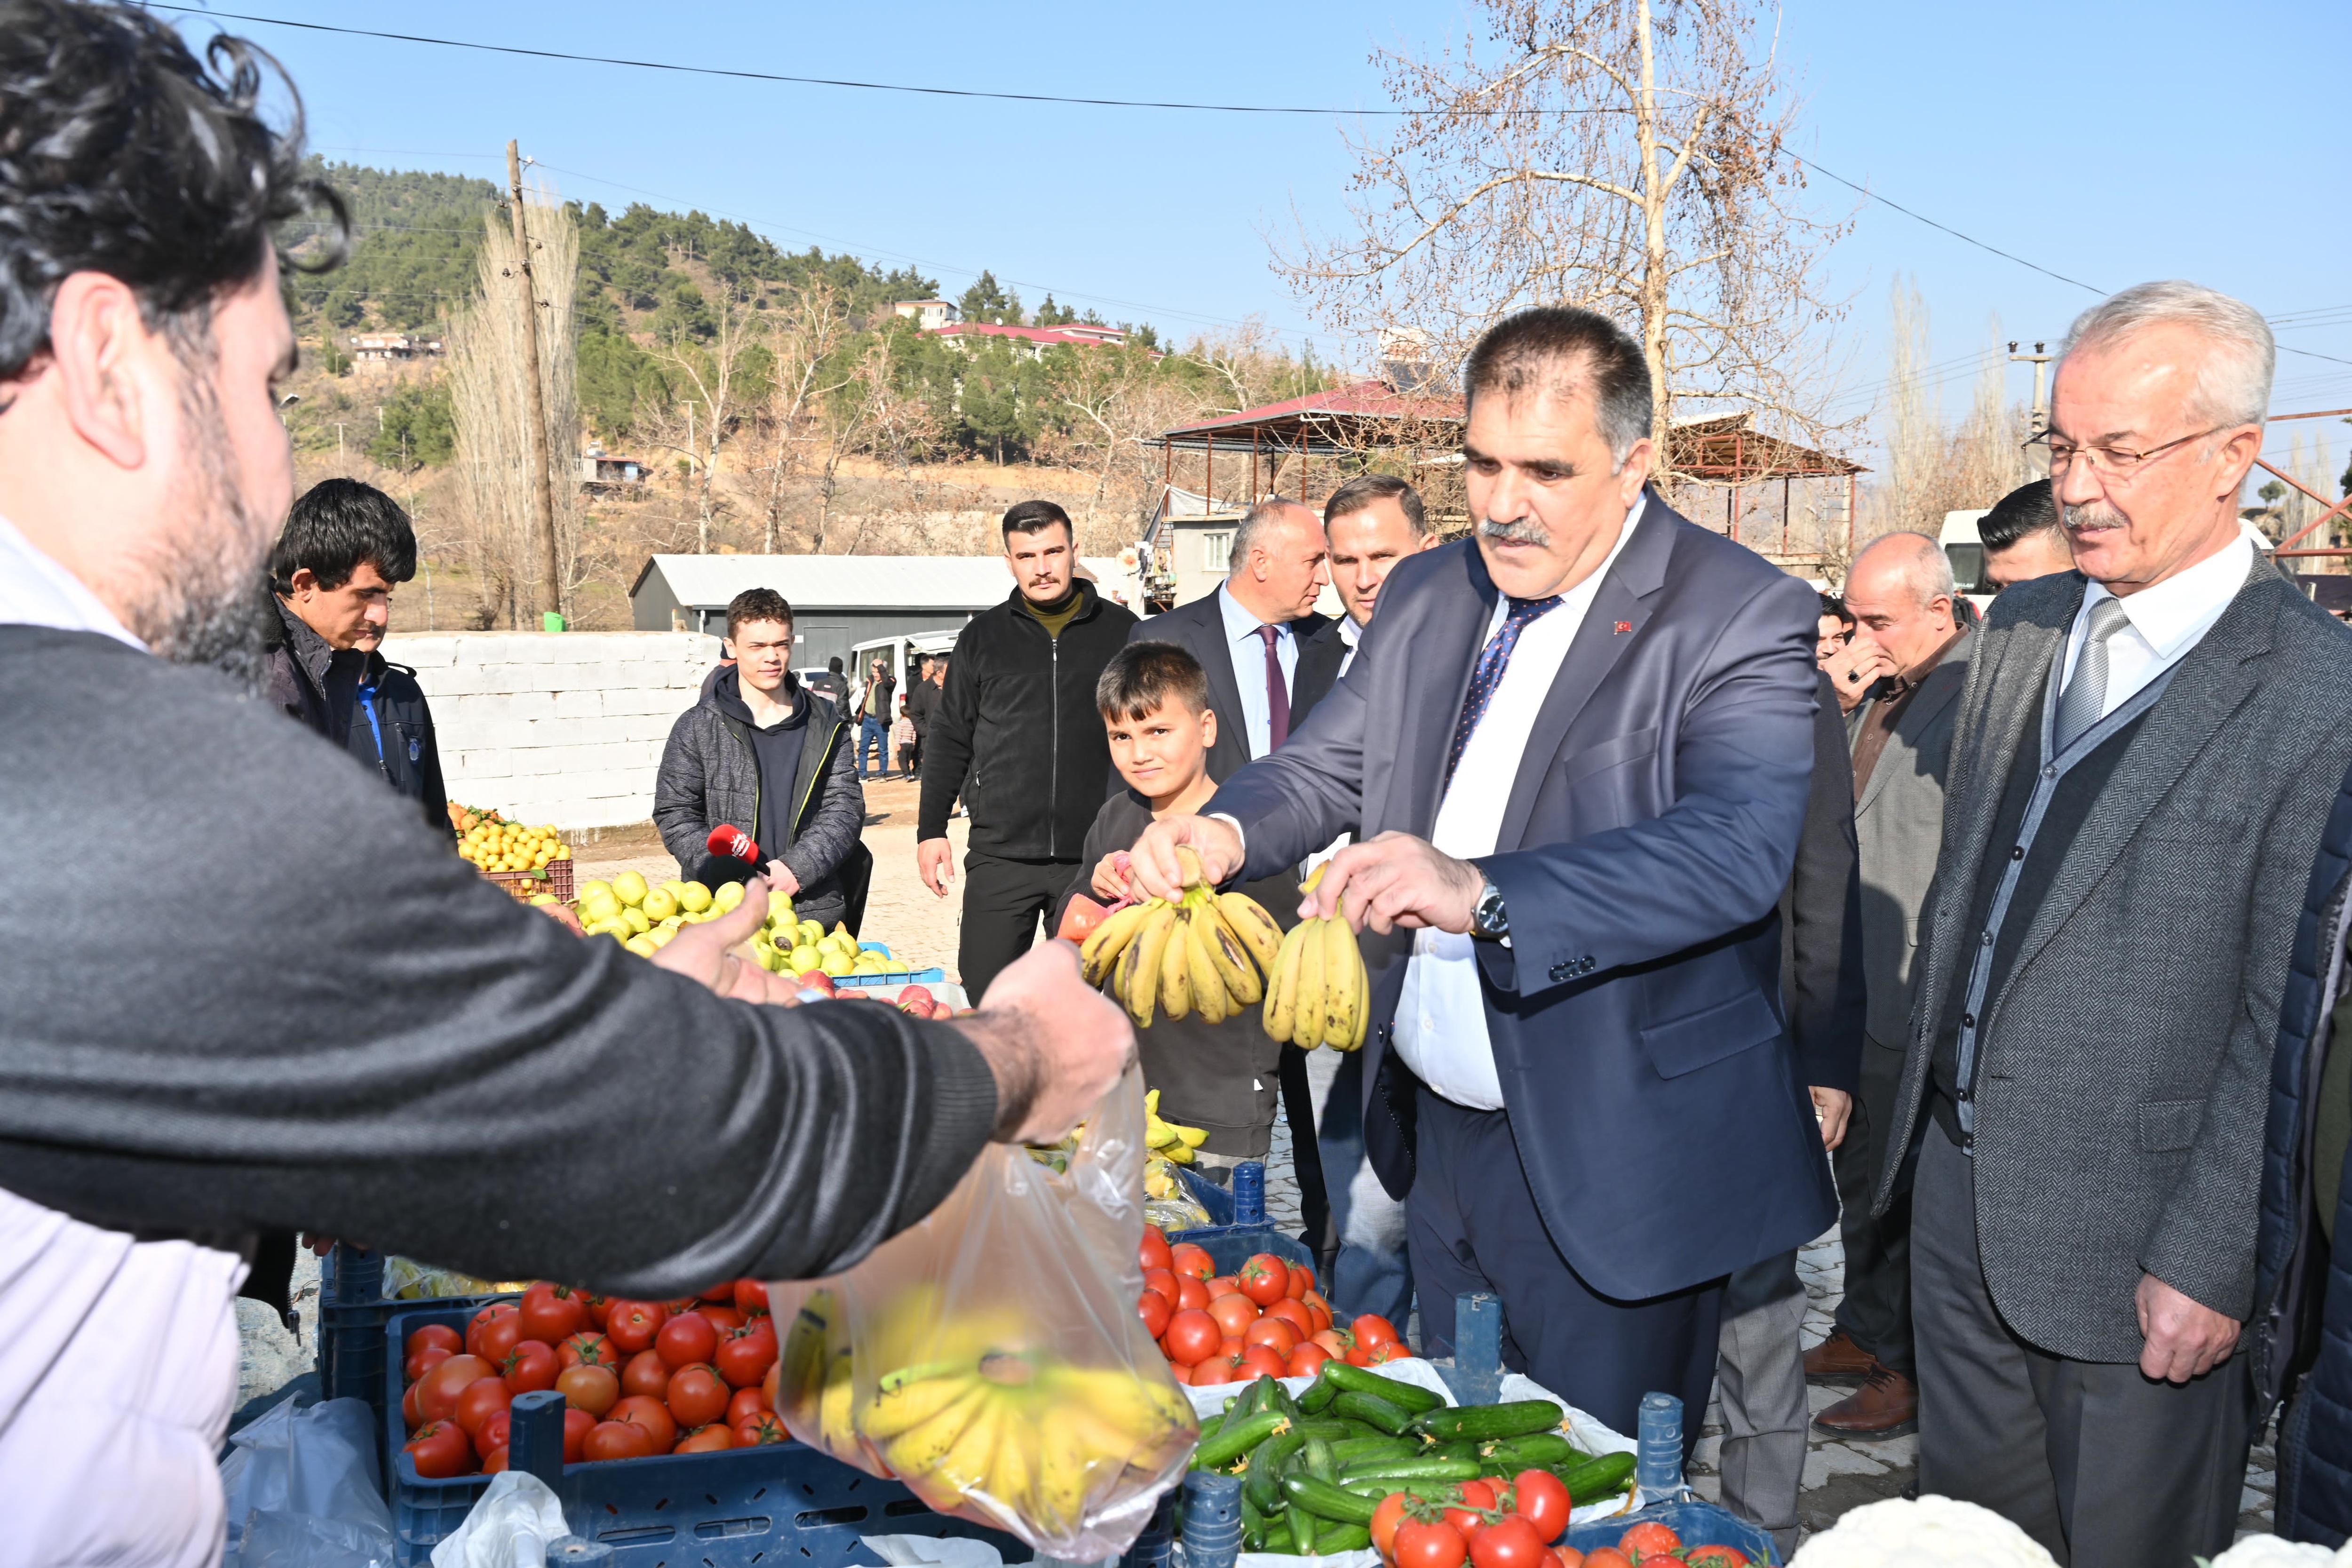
x: 2040, y: 360
x: 542, y: 492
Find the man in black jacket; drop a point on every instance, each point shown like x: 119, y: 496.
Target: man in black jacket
x: 344, y: 548
x: 1016, y: 733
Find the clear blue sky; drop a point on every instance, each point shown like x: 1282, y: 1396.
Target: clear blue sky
x: 2109, y: 142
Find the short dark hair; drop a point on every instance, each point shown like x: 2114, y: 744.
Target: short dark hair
x: 121, y: 154
x: 1833, y: 605
x: 1035, y: 517
x: 1565, y: 348
x: 1362, y: 491
x: 834, y: 664
x: 334, y: 527
x: 756, y: 604
x: 2029, y: 508
x: 1143, y: 674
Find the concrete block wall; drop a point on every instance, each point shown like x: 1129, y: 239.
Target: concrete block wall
x: 567, y: 728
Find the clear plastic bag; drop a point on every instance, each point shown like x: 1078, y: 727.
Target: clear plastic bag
x: 991, y: 1358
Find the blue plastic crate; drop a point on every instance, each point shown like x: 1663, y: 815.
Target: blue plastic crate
x: 1239, y: 1226
x: 1698, y: 1525
x: 893, y: 978
x: 351, y: 1315
x: 780, y: 1503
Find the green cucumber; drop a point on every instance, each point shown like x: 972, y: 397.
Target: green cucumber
x: 1403, y: 1471
x: 1327, y: 1501
x: 1371, y: 1409
x: 1336, y: 1538
x: 1356, y: 1378
x: 1361, y: 1451
x: 1320, y: 1394
x: 1209, y: 1427
x: 1279, y: 1398
x: 1460, y: 1448
x: 1263, y: 1487
x: 1542, y: 1450
x: 1237, y: 1437
x: 1482, y: 1423
x: 1302, y: 1531
x: 1316, y: 1461
x: 1603, y: 1478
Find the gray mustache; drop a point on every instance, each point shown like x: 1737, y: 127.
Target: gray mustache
x: 1524, y: 532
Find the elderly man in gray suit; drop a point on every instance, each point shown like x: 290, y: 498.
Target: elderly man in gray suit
x: 1902, y: 595
x: 2146, y: 751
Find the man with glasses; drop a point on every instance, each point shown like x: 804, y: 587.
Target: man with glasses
x: 2144, y: 758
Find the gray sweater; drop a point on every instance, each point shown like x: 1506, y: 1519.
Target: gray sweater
x: 292, y: 1007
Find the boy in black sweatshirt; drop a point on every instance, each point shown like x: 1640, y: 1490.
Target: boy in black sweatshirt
x: 1220, y: 1077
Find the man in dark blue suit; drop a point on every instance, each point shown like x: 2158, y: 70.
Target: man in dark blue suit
x: 1579, y: 750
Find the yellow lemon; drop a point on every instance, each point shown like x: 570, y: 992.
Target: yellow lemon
x: 629, y: 887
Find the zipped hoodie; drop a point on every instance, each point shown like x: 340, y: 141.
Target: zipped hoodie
x: 710, y: 774
x: 1017, y: 733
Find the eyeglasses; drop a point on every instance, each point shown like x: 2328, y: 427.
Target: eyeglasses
x: 2111, y: 463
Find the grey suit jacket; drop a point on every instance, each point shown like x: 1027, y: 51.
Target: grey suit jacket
x: 2124, y: 1061
x: 1899, y: 823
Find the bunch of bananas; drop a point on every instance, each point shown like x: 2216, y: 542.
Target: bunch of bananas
x: 1317, y: 991
x: 1165, y: 1138
x: 1206, y: 952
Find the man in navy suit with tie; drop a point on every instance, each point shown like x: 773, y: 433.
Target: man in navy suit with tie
x: 1578, y: 748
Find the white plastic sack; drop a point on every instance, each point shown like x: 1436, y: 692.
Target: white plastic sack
x: 306, y: 1540
x: 933, y: 1551
x: 318, y: 1463
x: 510, y: 1527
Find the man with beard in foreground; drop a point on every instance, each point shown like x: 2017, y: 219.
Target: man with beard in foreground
x: 221, y: 1043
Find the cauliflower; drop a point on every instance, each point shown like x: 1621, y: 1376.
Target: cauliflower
x: 1931, y: 1532
x: 2270, y: 1552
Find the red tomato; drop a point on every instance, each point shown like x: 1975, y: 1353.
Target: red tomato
x: 1263, y: 1360
x: 590, y: 1388
x: 682, y: 1304
x: 707, y: 1439
x: 1223, y: 1285
x: 761, y: 1428
x: 1264, y: 1278
x: 722, y: 1318
x: 409, y: 1414
x: 1339, y: 1342
x: 437, y: 1397
x: 1471, y: 1496
x: 1307, y: 1360
x: 768, y: 1385
x: 1296, y: 1316
x: 1192, y: 1337
x: 617, y: 1440
x: 577, y: 1425
x: 494, y: 1461
x: 1539, y: 1496
x: 1438, y: 1545
x: 482, y: 1398
x: 641, y: 1410
x: 484, y: 1319
x: 750, y: 1296
x: 723, y: 1291
x: 686, y: 1340
x: 1186, y: 1258
x: 1302, y: 1281
x: 1190, y: 1294
x: 1607, y: 1557
x: 1385, y: 1520
x: 1358, y: 1357
x: 1215, y: 1369
x: 1648, y: 1539
x: 1155, y: 1311
x: 1716, y: 1557
x: 1370, y: 1329
x: 1154, y: 1251
x: 1568, y: 1557
x: 551, y: 1311
x: 439, y: 1451
x: 1275, y: 1334
x: 744, y: 1403
x: 494, y: 1431
x: 1230, y: 1347
x: 1511, y: 1542
x: 587, y: 1350
x: 646, y: 1373
x: 597, y: 1306
x: 1234, y: 1313
x: 531, y: 1367
x: 1318, y: 1309
x: 1179, y: 1370
x: 433, y: 1334
x: 421, y: 1362
x: 1382, y: 1354
x: 745, y: 1355
x: 498, y: 1338
x: 631, y: 1325
x: 1161, y: 1279
x: 697, y: 1397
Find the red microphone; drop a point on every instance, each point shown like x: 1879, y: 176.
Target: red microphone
x: 733, y: 842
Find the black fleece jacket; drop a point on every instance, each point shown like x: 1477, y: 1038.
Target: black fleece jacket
x: 434, y: 1066
x: 1017, y: 732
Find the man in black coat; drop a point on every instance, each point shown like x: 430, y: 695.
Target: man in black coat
x: 344, y: 548
x: 1017, y: 734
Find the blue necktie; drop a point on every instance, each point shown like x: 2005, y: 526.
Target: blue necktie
x: 1492, y: 661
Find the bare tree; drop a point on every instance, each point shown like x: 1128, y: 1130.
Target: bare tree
x: 487, y: 377
x: 1619, y: 154
x: 1933, y: 468
x: 707, y: 408
x: 804, y: 338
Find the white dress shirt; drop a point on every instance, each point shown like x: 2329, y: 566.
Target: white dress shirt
x: 1441, y: 1018
x: 2165, y: 621
x: 117, y: 1358
x: 1351, y: 634
x: 1247, y: 650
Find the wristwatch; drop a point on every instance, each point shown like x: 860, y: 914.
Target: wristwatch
x: 1488, y: 919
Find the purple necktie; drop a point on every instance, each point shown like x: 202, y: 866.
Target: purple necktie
x: 1277, y: 694
x: 1488, y: 675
